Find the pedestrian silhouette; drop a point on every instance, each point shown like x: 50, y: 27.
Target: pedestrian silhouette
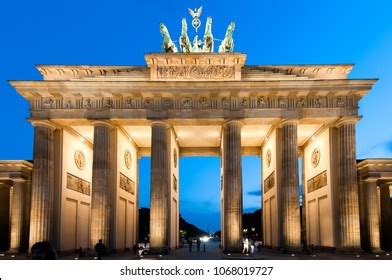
x: 190, y: 244
x: 80, y: 252
x: 198, y: 244
x: 100, y: 248
x: 259, y: 246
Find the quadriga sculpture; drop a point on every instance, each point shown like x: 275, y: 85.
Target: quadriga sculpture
x: 208, y: 38
x: 185, y: 43
x: 167, y: 45
x: 227, y: 44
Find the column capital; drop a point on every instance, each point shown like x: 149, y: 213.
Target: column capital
x: 237, y: 122
x: 346, y: 120
x: 20, y: 180
x: 45, y: 123
x: 102, y: 123
x: 287, y: 121
x: 383, y: 183
x: 161, y: 123
x: 368, y: 180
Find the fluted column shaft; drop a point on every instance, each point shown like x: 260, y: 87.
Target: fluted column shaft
x: 291, y: 223
x: 42, y: 188
x: 102, y: 184
x: 369, y: 214
x: 160, y: 187
x: 349, y: 229
x: 386, y: 217
x: 17, y: 215
x: 232, y: 172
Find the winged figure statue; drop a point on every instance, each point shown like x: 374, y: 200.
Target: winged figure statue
x: 195, y: 14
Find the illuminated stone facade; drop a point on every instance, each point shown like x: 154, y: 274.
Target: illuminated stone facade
x: 94, y: 122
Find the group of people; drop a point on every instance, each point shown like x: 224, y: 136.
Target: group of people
x: 198, y: 243
x: 249, y: 246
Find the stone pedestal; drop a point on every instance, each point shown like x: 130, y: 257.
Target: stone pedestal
x: 288, y: 186
x: 18, y: 204
x: 103, y: 183
x: 42, y: 188
x: 369, y: 216
x: 232, y: 184
x: 160, y: 187
x: 386, y: 218
x: 347, y: 188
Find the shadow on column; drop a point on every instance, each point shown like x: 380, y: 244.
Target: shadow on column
x: 4, y: 218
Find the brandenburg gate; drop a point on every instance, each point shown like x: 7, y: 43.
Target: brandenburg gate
x: 92, y: 123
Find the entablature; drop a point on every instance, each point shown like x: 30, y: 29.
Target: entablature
x: 375, y: 169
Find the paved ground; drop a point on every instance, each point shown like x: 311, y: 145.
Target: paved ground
x: 213, y: 253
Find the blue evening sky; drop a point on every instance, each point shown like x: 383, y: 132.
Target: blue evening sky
x: 269, y: 32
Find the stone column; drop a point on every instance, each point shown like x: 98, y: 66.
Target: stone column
x: 17, y: 215
x: 348, y: 225
x: 42, y: 188
x: 160, y: 187
x: 386, y: 222
x: 288, y: 185
x: 232, y: 184
x: 304, y: 239
x: 103, y: 182
x: 369, y: 216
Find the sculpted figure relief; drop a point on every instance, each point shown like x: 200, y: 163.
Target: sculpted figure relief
x: 196, y: 44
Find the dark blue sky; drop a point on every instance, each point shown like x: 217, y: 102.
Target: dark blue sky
x: 269, y: 32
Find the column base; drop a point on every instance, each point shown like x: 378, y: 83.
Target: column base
x: 349, y: 250
x: 232, y: 250
x: 14, y: 250
x: 291, y: 249
x: 159, y: 251
x: 376, y: 250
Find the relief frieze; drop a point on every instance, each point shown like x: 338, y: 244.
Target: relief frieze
x: 127, y: 184
x: 188, y: 103
x: 77, y: 184
x: 269, y: 183
x: 175, y: 186
x: 89, y: 103
x: 317, y: 182
x: 195, y: 72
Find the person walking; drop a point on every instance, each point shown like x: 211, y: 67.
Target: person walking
x: 245, y: 250
x: 100, y: 248
x: 252, y: 247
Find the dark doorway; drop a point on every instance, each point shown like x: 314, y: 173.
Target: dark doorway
x: 4, y: 218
